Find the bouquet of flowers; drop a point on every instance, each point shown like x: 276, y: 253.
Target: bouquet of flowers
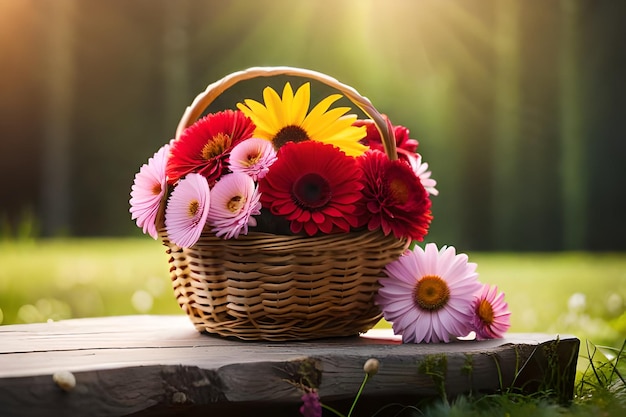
x: 281, y: 167
x: 319, y: 171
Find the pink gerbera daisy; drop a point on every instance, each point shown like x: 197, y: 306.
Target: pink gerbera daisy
x: 187, y: 210
x: 428, y: 294
x: 421, y: 170
x: 253, y: 157
x: 491, y: 314
x: 234, y: 200
x: 313, y: 185
x: 147, y: 191
x: 205, y: 146
x: 394, y: 199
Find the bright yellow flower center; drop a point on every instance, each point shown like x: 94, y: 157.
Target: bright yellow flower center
x: 235, y: 203
x: 485, y: 311
x: 251, y: 159
x: 216, y: 146
x: 431, y: 293
x: 193, y: 208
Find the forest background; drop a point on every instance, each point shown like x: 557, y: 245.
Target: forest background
x: 518, y: 105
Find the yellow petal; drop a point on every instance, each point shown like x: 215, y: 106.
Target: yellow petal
x: 259, y: 115
x: 300, y: 105
x: 327, y: 125
x: 274, y: 105
x: 313, y: 119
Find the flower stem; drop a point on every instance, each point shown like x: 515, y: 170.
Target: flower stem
x: 358, y: 394
x: 332, y: 410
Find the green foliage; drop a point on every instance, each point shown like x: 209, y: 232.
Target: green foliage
x: 436, y: 367
x: 600, y: 390
x: 27, y: 228
x: 602, y: 380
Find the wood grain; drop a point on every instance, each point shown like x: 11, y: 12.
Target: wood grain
x: 160, y: 365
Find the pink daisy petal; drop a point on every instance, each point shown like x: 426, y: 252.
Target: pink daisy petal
x: 419, y: 331
x: 253, y: 157
x: 491, y: 317
x: 187, y: 210
x: 234, y: 200
x: 421, y: 170
x: 428, y: 294
x: 147, y: 191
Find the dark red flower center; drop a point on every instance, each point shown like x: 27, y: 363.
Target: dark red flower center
x: 311, y: 191
x: 287, y: 134
x: 399, y: 190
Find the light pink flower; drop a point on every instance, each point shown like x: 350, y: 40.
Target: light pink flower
x: 253, y: 157
x: 147, y: 191
x: 421, y: 170
x: 187, y: 210
x: 428, y: 294
x: 234, y: 200
x: 491, y: 314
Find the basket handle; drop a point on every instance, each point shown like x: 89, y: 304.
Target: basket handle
x: 204, y: 99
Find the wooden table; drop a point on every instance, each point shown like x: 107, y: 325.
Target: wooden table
x: 160, y: 365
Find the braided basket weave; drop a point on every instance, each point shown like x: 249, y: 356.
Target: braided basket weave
x: 262, y: 286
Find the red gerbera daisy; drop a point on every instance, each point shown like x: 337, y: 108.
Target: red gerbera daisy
x: 313, y: 185
x: 394, y: 198
x: 205, y: 146
x: 373, y: 140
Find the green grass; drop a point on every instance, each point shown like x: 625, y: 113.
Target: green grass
x: 561, y: 293
x: 59, y: 279
x: 577, y: 293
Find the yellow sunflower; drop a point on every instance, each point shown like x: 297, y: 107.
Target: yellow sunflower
x: 288, y: 119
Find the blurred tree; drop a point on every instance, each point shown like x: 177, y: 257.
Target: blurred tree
x: 602, y: 61
x: 176, y: 54
x: 58, y: 84
x: 20, y: 115
x: 507, y: 162
x: 573, y: 176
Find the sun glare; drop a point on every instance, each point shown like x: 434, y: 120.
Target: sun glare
x: 418, y: 36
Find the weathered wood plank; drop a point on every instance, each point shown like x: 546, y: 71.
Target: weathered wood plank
x: 160, y: 365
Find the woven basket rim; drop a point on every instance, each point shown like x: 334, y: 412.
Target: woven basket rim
x: 295, y: 238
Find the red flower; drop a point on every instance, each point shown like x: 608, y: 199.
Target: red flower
x: 373, y: 139
x: 313, y: 185
x: 394, y: 198
x: 205, y: 146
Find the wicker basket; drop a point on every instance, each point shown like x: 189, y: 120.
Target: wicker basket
x: 262, y: 286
